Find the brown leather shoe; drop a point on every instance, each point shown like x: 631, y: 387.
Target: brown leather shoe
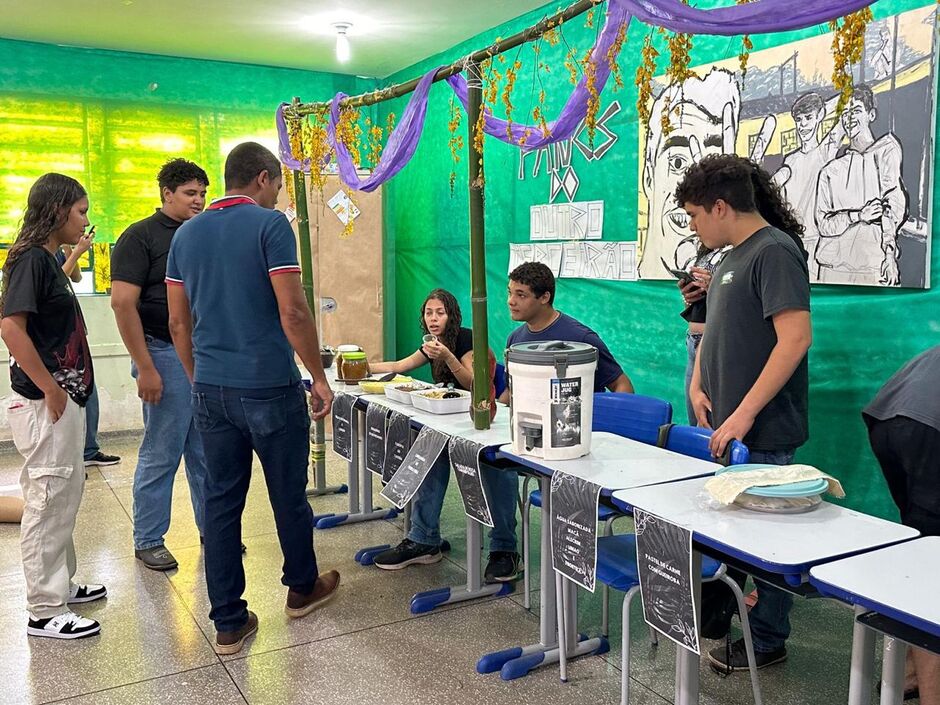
x: 227, y: 643
x: 301, y: 604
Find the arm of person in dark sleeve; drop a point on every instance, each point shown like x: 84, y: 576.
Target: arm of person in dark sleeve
x: 608, y: 369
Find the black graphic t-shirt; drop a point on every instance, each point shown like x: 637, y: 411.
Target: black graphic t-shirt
x: 38, y: 287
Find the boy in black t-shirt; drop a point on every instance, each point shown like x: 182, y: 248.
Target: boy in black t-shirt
x: 51, y: 376
x: 750, y: 380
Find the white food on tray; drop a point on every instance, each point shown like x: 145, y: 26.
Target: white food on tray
x: 425, y: 401
x: 395, y: 392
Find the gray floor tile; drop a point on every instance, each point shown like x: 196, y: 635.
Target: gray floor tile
x: 367, y: 597
x: 146, y: 632
x: 203, y: 686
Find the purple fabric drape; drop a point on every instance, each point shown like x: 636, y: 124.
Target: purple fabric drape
x: 757, y: 17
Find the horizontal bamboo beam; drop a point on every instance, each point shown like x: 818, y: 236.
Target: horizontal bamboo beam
x: 297, y: 109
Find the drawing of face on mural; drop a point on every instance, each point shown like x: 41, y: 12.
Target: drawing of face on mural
x: 704, y: 116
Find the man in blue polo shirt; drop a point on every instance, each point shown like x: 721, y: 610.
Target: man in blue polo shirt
x: 237, y: 314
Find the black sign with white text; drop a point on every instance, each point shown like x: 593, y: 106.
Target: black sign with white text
x: 376, y: 418
x: 415, y: 467
x: 465, y: 461
x: 397, y: 444
x: 342, y: 425
x: 574, y: 528
x: 664, y: 564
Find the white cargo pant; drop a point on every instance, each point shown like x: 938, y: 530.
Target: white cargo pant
x: 52, y: 479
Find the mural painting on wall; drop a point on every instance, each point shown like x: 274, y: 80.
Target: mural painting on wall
x: 860, y: 181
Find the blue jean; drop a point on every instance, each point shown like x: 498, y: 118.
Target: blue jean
x: 692, y: 341
x: 169, y: 436
x: 273, y: 423
x: 91, y: 424
x: 770, y: 617
x: 502, y: 490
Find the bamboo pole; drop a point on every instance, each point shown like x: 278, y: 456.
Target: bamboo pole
x: 297, y: 109
x: 318, y: 450
x: 481, y: 362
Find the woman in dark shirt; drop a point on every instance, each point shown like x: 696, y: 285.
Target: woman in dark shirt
x: 450, y: 350
x: 693, y: 293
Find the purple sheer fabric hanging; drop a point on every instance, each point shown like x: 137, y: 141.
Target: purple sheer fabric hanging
x: 757, y: 17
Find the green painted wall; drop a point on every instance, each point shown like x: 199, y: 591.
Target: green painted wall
x: 111, y: 119
x: 861, y: 335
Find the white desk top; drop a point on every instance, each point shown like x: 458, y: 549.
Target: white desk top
x: 901, y: 582
x: 616, y: 462
x: 778, y: 543
x: 452, y: 424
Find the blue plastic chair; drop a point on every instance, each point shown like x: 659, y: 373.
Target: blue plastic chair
x: 629, y: 415
x: 616, y: 555
x: 617, y: 568
x: 499, y: 379
x: 693, y: 441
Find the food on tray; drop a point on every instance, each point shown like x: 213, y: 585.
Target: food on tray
x: 443, y: 394
x: 374, y: 386
x: 412, y: 387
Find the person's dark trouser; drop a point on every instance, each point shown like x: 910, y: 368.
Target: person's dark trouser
x: 909, y: 454
x: 273, y: 423
x: 91, y: 424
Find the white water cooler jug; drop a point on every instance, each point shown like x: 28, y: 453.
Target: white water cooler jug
x: 552, y: 402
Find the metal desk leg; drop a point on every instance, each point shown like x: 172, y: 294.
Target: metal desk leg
x: 863, y: 662
x: 687, y: 662
x: 474, y: 589
x: 518, y: 661
x: 892, y: 671
x: 360, y: 485
x: 318, y: 461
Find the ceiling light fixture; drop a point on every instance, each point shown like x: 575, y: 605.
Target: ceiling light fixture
x: 342, y: 41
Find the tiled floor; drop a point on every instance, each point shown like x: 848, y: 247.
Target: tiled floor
x: 364, y: 647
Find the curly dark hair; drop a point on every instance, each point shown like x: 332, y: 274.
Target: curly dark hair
x: 448, y: 336
x: 745, y: 186
x: 47, y: 208
x: 537, y: 276
x: 177, y: 172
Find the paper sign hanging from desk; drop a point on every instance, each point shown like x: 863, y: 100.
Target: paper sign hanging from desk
x: 342, y: 425
x: 664, y: 564
x: 465, y: 461
x: 574, y: 528
x: 397, y: 444
x: 415, y: 467
x: 376, y: 418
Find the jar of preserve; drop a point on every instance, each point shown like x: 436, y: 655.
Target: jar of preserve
x: 353, y: 366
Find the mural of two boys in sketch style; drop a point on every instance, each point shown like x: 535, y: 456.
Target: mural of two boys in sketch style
x: 864, y: 206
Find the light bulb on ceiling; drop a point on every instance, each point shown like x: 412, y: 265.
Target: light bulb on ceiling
x: 342, y: 41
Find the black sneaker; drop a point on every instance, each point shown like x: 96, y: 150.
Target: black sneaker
x: 63, y: 626
x: 87, y: 593
x: 100, y: 458
x: 408, y: 553
x: 726, y: 659
x: 503, y: 567
x: 156, y: 558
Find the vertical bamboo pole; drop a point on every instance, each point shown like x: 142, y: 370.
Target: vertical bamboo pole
x: 318, y: 449
x: 481, y: 364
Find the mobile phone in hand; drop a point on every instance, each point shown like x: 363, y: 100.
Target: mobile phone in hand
x: 683, y: 276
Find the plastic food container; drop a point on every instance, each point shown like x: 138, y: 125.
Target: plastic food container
x: 426, y: 401
x: 402, y: 392
x: 352, y: 366
x: 374, y: 386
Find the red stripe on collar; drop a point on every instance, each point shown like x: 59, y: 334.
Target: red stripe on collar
x: 227, y: 201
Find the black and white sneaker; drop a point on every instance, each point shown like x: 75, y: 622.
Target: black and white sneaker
x: 503, y: 567
x: 407, y: 553
x: 100, y: 459
x: 87, y: 593
x: 63, y: 626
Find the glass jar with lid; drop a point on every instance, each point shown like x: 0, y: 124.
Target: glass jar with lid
x: 353, y: 366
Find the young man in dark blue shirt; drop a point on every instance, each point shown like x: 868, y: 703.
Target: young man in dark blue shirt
x: 531, y: 301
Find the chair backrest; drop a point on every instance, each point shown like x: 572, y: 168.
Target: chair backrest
x: 499, y: 379
x: 693, y: 441
x: 631, y: 415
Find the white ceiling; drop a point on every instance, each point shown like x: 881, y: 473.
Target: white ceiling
x: 387, y: 35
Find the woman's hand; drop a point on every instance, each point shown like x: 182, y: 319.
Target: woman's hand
x: 437, y: 351
x: 696, y: 289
